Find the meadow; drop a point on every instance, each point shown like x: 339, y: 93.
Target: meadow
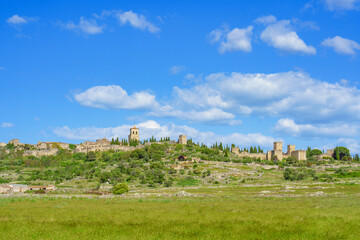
x: 230, y: 213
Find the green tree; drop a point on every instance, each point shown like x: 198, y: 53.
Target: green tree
x: 308, y: 151
x: 341, y: 152
x: 120, y: 188
x: 315, y: 152
x: 72, y: 146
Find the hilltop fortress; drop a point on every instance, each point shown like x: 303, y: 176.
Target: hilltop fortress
x: 51, y: 148
x: 275, y: 154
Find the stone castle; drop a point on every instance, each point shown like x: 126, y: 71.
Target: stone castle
x: 275, y: 154
x: 51, y: 148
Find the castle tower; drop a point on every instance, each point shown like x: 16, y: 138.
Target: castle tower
x: 278, y: 146
x: 134, y: 134
x: 290, y: 149
x: 182, y: 139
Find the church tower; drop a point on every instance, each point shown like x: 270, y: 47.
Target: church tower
x: 134, y: 134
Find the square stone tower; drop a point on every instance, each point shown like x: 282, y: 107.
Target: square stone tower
x: 290, y: 149
x: 278, y: 146
x: 134, y: 134
x: 182, y: 139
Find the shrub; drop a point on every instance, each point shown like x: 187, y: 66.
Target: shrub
x: 4, y: 180
x: 120, y: 188
x: 325, y: 178
x: 297, y: 174
x: 72, y: 146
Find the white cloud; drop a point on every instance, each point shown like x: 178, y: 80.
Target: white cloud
x: 212, y: 115
x: 336, y: 5
x: 351, y: 143
x: 342, y: 45
x: 288, y: 94
x: 152, y: 128
x: 136, y: 21
x: 17, y: 20
x: 238, y: 39
x: 177, y: 69
x: 7, y: 125
x: 281, y: 36
x: 114, y: 97
x: 87, y: 26
x: 221, y: 98
x: 266, y: 19
x: 289, y: 127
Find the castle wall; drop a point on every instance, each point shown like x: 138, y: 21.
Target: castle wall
x: 299, y: 154
x: 236, y: 150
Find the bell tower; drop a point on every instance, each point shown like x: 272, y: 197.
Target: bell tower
x: 134, y: 134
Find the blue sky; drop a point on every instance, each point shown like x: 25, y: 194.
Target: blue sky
x: 242, y: 72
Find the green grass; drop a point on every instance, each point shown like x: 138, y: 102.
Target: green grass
x: 181, y: 218
x: 188, y: 181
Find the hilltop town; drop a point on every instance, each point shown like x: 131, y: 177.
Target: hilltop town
x: 51, y: 148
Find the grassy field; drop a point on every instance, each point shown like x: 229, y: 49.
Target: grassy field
x: 232, y: 213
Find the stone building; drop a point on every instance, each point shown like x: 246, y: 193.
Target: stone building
x: 329, y: 153
x: 103, y: 142
x: 278, y: 154
x: 182, y: 139
x: 16, y: 142
x: 290, y: 149
x: 299, y: 154
x: 2, y: 144
x: 49, y: 145
x: 134, y: 134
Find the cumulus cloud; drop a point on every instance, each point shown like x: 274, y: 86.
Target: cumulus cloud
x: 212, y: 115
x: 177, y: 69
x: 7, y: 125
x: 281, y: 36
x: 114, y: 97
x: 342, y: 45
x: 153, y: 128
x: 339, y: 5
x: 222, y: 98
x: 289, y: 94
x: 289, y: 127
x: 87, y: 26
x: 136, y: 21
x: 17, y: 20
x: 238, y: 39
x: 352, y: 144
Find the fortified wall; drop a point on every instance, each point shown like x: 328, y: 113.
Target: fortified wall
x: 276, y: 153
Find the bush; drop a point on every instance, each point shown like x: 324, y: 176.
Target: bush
x: 298, y: 174
x: 120, y: 188
x: 72, y: 146
x: 4, y: 180
x: 324, y: 178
